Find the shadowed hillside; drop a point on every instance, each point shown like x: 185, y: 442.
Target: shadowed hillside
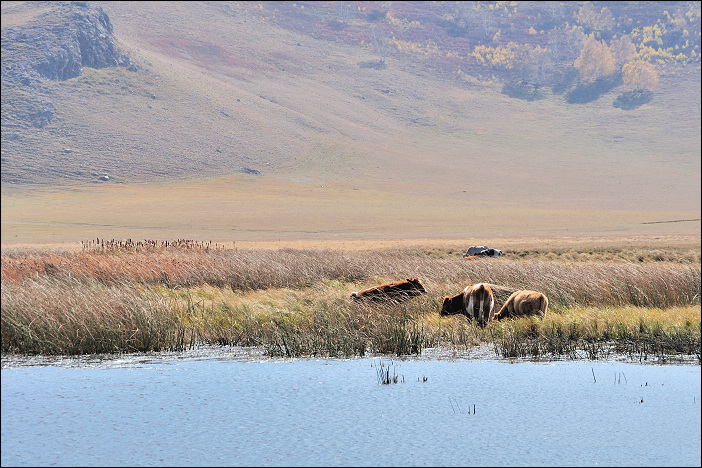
x: 376, y: 99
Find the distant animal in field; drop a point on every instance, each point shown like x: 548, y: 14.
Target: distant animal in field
x: 397, y: 290
x: 481, y: 251
x: 475, y: 250
x: 476, y: 302
x: 523, y: 303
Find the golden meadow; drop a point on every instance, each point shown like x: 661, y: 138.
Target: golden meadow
x: 122, y: 296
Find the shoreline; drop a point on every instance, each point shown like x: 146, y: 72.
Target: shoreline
x: 257, y: 354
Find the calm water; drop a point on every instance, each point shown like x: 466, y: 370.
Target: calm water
x: 229, y: 411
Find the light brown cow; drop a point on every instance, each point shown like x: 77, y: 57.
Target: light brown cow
x: 397, y: 290
x: 476, y: 302
x: 522, y: 304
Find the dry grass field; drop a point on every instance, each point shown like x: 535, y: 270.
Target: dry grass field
x: 238, y: 209
x: 296, y: 302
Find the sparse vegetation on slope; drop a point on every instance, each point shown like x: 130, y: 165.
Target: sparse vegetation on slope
x: 283, y: 88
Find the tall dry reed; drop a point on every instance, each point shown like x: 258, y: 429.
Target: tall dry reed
x: 566, y: 284
x: 594, y: 333
x: 69, y: 316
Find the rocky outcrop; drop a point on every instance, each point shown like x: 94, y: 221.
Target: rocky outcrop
x: 57, y: 44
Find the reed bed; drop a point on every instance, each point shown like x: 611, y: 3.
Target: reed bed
x: 649, y: 284
x: 295, y: 302
x: 147, y: 245
x: 71, y: 316
x: 594, y: 333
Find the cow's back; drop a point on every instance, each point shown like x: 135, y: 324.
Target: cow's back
x: 479, y: 303
x: 524, y: 303
x: 532, y: 303
x: 396, y: 290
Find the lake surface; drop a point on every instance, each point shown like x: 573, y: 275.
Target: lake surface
x: 242, y: 411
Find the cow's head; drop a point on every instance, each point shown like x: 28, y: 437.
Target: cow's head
x: 414, y: 282
x: 452, y: 305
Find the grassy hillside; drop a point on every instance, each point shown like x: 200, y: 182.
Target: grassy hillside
x: 268, y: 121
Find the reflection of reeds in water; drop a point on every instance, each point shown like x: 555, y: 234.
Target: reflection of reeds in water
x: 457, y: 408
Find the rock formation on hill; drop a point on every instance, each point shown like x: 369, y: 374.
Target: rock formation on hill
x: 77, y: 35
x: 55, y: 45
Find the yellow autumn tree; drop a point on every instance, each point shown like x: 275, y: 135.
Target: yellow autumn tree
x: 597, y: 22
x: 623, y: 50
x: 595, y: 61
x: 639, y: 75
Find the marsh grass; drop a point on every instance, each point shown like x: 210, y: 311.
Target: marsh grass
x: 69, y: 316
x: 595, y: 333
x: 296, y: 303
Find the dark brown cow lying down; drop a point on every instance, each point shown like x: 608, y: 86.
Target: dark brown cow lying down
x: 397, y: 290
x: 522, y: 304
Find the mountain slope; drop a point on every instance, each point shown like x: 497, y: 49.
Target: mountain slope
x: 221, y: 88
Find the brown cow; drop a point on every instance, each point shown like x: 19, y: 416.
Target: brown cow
x: 476, y: 302
x: 452, y: 305
x: 522, y: 304
x: 397, y: 290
